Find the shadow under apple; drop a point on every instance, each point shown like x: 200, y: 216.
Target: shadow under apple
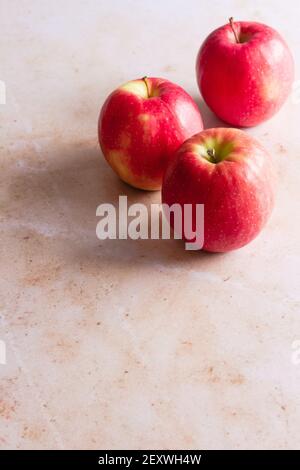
x: 63, y: 195
x: 210, y: 120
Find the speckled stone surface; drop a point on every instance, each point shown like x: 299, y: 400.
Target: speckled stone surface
x: 133, y: 344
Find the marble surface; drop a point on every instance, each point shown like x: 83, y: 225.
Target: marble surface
x: 134, y: 344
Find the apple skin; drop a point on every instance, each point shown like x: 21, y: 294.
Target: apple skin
x: 237, y: 192
x: 244, y: 83
x: 142, y: 124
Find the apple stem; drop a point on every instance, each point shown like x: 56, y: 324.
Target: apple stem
x: 233, y: 30
x: 212, y: 154
x: 146, y: 83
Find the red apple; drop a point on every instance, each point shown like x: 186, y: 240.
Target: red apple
x: 244, y: 72
x: 142, y: 124
x: 232, y: 175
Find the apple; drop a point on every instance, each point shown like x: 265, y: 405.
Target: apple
x: 232, y: 175
x: 142, y: 124
x: 245, y: 72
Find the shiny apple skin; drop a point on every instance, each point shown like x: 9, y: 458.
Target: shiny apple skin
x: 139, y: 135
x: 237, y: 193
x: 245, y: 83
